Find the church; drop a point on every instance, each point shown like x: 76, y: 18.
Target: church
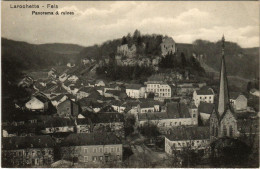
x: 223, y: 121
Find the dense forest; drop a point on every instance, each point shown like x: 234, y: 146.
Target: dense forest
x: 147, y: 45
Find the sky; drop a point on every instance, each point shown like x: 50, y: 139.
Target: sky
x: 97, y: 22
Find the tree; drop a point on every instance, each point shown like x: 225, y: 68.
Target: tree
x: 249, y: 86
x: 229, y: 152
x: 150, y: 130
x: 183, y: 60
x: 129, y: 124
x: 124, y: 40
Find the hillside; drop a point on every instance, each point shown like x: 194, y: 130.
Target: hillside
x: 241, y: 62
x: 61, y: 48
x: 18, y: 57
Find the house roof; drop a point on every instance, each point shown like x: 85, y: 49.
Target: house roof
x: 83, y: 121
x: 42, y: 98
x: 58, y: 98
x: 234, y: 95
x: 205, y: 107
x: 107, y: 117
x: 205, y: 91
x: 60, y: 89
x: 133, y: 86
x: 177, y: 110
x: 12, y: 143
x: 83, y: 139
x: 188, y: 133
x: 58, y: 122
x: 148, y: 104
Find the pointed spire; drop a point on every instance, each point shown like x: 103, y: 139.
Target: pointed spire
x: 223, y: 101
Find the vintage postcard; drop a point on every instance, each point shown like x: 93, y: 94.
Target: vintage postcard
x: 130, y: 84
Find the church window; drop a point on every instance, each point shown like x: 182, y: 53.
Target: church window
x: 216, y: 133
x: 224, y: 130
x: 230, y: 131
x: 213, y: 130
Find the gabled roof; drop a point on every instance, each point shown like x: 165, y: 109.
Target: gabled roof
x: 58, y: 98
x: 58, y: 122
x: 178, y: 110
x: 205, y: 107
x: 234, y: 95
x: 133, y: 86
x: 85, y: 121
x: 149, y: 104
x: 188, y: 133
x: 83, y: 139
x: 12, y: 143
x: 205, y: 91
x: 107, y: 118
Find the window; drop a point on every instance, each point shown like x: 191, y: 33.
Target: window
x: 94, y: 158
x: 106, y: 150
x: 224, y: 130
x: 230, y: 131
x: 112, y: 149
x: 94, y: 150
x: 85, y: 150
x: 117, y: 149
x: 194, y: 115
x: 68, y: 108
x: 200, y: 97
x: 85, y: 158
x: 101, y: 158
x: 100, y: 149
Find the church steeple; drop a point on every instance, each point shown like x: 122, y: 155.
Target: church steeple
x: 223, y: 101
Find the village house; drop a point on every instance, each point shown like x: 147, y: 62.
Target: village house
x: 148, y: 106
x: 52, y: 73
x: 92, y: 148
x: 161, y: 90
x: 112, y: 86
x: 223, y: 120
x: 73, y: 78
x: 168, y: 46
x: 58, y: 99
x: 119, y: 106
x: 205, y: 94
x: 84, y: 92
x: 135, y: 91
x: 205, y: 110
x: 68, y: 108
x: 35, y: 151
x: 38, y: 102
x: 186, y: 89
x: 63, y: 77
x: 255, y: 92
x: 177, y: 114
x: 27, y: 81
x: 58, y: 125
x: 83, y: 125
x: 191, y: 138
x: 70, y: 65
x: 85, y: 61
x: 100, y: 83
x: 109, y: 122
x: 238, y: 101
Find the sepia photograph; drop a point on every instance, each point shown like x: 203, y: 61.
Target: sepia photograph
x: 130, y: 84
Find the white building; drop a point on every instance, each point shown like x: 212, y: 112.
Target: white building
x: 238, y: 101
x: 205, y: 94
x: 193, y: 138
x: 161, y: 90
x: 177, y: 114
x: 135, y: 91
